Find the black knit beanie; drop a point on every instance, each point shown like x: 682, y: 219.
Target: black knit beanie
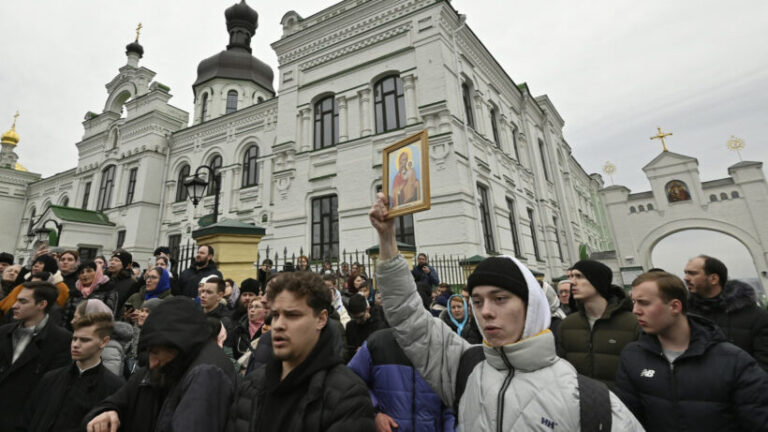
x: 49, y: 263
x: 598, y: 274
x: 249, y: 285
x: 499, y: 272
x: 124, y: 256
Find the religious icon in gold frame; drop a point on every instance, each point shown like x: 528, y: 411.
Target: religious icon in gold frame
x: 405, y: 175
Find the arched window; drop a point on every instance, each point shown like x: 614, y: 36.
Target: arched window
x: 713, y: 198
x: 326, y: 123
x: 389, y: 104
x: 632, y: 209
x: 31, y: 219
x: 723, y: 196
x: 181, y: 190
x: 105, y: 189
x: 466, y: 97
x: 64, y: 201
x: 215, y: 165
x: 204, y: 107
x: 250, y: 169
x: 640, y: 208
x: 495, y: 127
x: 649, y: 207
x: 734, y: 194
x: 259, y: 99
x: 231, y: 101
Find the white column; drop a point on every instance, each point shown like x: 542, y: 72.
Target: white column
x: 341, y: 103
x: 409, y: 88
x: 365, y: 112
x: 306, y: 128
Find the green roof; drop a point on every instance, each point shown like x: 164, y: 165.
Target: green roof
x: 71, y: 214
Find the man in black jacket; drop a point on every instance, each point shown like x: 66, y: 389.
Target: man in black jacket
x: 29, y: 348
x: 682, y: 374
x: 189, y: 382
x: 65, y: 395
x: 120, y: 272
x: 362, y: 323
x: 204, y: 266
x: 306, y: 387
x: 732, y: 305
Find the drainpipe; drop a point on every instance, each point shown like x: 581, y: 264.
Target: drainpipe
x: 161, y: 209
x: 23, y: 211
x: 479, y: 227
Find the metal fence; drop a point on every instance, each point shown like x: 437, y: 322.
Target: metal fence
x: 451, y: 269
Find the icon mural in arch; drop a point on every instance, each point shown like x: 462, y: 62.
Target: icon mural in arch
x: 677, y: 191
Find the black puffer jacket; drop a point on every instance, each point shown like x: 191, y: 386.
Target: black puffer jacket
x: 714, y: 386
x: 737, y: 314
x: 203, y: 379
x: 321, y: 394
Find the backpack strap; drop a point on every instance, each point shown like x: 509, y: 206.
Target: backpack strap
x: 469, y: 359
x: 594, y: 405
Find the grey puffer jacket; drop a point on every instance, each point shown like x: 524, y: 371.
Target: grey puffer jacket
x: 114, y: 353
x: 527, y: 380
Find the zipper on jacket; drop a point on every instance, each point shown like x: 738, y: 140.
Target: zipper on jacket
x: 504, y: 387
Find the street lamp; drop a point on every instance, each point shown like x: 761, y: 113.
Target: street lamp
x: 42, y: 234
x: 196, y: 188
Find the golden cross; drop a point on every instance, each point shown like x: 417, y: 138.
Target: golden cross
x: 138, y: 31
x: 14, y: 119
x: 660, y: 136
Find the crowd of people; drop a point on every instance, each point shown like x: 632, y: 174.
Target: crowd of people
x: 103, y: 345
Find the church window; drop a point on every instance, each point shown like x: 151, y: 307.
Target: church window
x: 132, y: 174
x: 513, y: 226
x: 495, y: 127
x: 31, y: 219
x: 259, y: 99
x: 326, y: 123
x: 65, y: 201
x: 535, y: 241
x: 181, y: 190
x: 86, y: 195
x: 713, y: 198
x: 641, y: 208
x: 557, y: 239
x: 485, y: 218
x: 466, y: 96
x: 389, y: 104
x: 250, y: 167
x: 543, y: 152
x: 105, y: 190
x: 649, y: 207
x: 204, y: 107
x: 120, y: 239
x: 723, y: 196
x: 632, y: 209
x: 231, y: 101
x: 215, y: 165
x: 325, y: 227
x: 734, y: 194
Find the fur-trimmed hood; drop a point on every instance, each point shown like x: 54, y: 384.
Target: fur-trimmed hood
x: 736, y: 295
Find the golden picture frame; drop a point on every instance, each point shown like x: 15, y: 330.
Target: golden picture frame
x: 405, y: 175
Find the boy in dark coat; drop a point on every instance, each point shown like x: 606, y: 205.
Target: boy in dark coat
x: 682, y: 374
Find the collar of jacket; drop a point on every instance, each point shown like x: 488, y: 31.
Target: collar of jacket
x: 736, y: 295
x: 704, y: 334
x: 527, y: 355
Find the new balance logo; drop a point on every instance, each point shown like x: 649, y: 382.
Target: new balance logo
x: 647, y: 373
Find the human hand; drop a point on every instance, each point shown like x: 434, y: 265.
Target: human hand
x: 384, y: 423
x: 385, y: 227
x: 425, y: 269
x: 104, y: 422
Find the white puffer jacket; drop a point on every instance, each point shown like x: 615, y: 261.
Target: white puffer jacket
x: 541, y: 393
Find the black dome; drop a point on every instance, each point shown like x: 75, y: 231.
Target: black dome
x: 235, y: 64
x: 134, y: 47
x: 241, y: 15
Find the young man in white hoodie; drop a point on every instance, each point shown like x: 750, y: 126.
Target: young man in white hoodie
x: 520, y: 384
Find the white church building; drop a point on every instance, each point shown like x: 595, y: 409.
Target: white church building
x: 299, y: 149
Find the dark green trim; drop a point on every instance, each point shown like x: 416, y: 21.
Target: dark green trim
x: 229, y: 227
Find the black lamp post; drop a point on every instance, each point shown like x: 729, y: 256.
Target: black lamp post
x: 43, y: 233
x: 196, y: 186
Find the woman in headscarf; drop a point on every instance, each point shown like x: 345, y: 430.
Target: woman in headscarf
x: 158, y: 285
x: 91, y: 283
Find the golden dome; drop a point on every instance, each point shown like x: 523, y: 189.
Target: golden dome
x: 11, y: 137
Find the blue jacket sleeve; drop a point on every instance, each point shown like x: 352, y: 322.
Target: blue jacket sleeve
x: 362, y: 365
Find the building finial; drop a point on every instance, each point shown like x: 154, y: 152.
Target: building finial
x: 15, y: 116
x: 660, y: 136
x: 138, y: 31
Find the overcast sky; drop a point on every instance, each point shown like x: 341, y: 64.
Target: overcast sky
x: 614, y: 69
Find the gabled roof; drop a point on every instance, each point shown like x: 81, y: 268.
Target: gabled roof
x: 669, y: 155
x: 71, y: 214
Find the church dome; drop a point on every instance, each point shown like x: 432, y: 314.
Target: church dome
x: 11, y: 137
x: 236, y: 62
x: 134, y: 47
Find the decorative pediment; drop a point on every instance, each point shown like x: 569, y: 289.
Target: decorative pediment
x: 666, y: 159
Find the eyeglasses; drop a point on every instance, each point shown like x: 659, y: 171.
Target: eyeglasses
x: 153, y: 277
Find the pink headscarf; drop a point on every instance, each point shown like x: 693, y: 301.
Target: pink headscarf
x: 98, y: 279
